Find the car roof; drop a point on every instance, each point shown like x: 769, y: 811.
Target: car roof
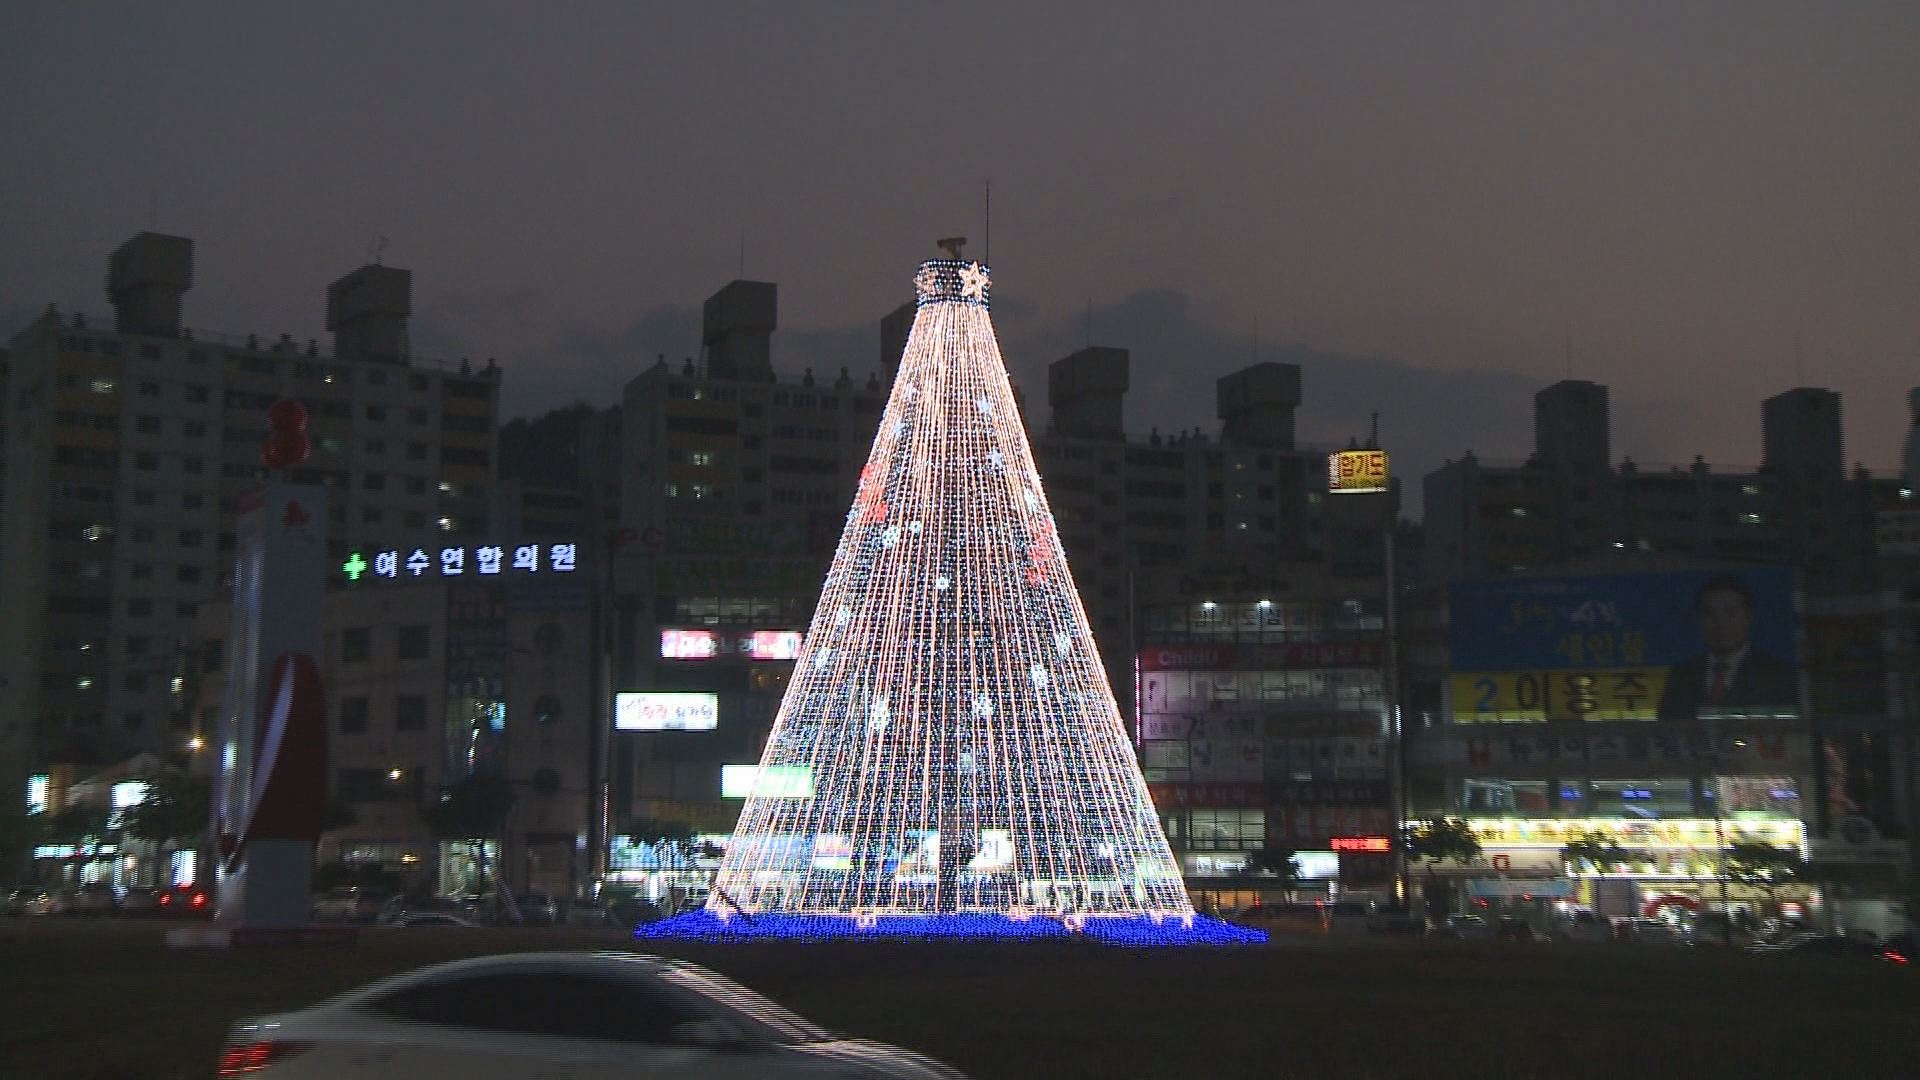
x: 613, y: 963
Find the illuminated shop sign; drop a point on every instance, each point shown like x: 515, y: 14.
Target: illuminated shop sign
x: 1377, y: 845
x: 1316, y: 865
x: 766, y: 781
x: 1357, y: 470
x: 37, y: 794
x: 655, y: 711
x: 1639, y: 833
x: 486, y: 560
x: 701, y: 644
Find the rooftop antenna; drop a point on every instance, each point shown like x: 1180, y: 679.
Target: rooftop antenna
x: 951, y: 245
x: 375, y: 250
x: 1373, y: 432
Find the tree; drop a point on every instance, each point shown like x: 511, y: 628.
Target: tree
x: 1764, y: 867
x: 177, y: 808
x: 1279, y: 862
x: 79, y: 823
x: 473, y: 809
x: 1597, y: 850
x: 672, y: 841
x: 1437, y: 841
x: 1443, y: 839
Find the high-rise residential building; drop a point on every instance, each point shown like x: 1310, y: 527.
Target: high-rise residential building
x: 127, y: 447
x: 1568, y: 501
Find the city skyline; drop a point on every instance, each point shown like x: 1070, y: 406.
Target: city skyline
x: 1694, y: 211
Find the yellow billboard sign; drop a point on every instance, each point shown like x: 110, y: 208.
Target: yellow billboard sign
x: 1507, y: 697
x: 1357, y: 470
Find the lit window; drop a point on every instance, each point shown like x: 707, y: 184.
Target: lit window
x: 447, y: 524
x: 103, y: 386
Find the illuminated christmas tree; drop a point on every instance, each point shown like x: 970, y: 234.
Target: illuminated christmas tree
x: 949, y: 742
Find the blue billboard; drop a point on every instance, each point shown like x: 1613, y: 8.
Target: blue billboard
x: 1671, y: 645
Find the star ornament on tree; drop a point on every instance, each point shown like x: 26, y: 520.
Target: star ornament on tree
x: 973, y: 282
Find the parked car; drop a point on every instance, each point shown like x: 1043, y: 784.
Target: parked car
x: 413, y: 919
x: 98, y: 898
x: 1511, y: 928
x: 1837, y: 945
x: 1397, y: 921
x: 185, y: 902
x: 538, y: 909
x: 1898, y: 949
x: 399, y: 907
x: 1647, y: 931
x: 600, y: 1014
x: 139, y: 900
x: 1467, y: 927
x: 1582, y: 925
x: 348, y: 903
x: 37, y: 901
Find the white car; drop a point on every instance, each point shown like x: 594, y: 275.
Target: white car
x: 566, y: 1016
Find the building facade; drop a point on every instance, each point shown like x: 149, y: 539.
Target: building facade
x: 434, y: 681
x: 127, y: 447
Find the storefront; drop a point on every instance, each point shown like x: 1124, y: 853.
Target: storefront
x: 1666, y: 865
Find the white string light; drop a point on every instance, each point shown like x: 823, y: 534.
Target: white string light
x: 964, y: 746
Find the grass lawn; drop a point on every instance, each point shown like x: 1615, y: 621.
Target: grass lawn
x: 107, y: 999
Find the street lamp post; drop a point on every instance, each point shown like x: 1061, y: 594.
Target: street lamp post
x: 1719, y: 831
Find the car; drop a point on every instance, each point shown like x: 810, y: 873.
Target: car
x: 1647, y: 931
x: 348, y: 903
x: 399, y: 907
x: 139, y: 900
x: 1898, y: 949
x: 185, y: 902
x: 1467, y: 928
x: 537, y: 909
x: 1397, y: 921
x: 604, y: 1015
x: 36, y: 901
x: 412, y: 919
x: 98, y: 898
x: 1843, y: 946
x: 1582, y: 925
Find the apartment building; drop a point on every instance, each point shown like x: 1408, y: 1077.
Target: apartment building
x: 128, y: 442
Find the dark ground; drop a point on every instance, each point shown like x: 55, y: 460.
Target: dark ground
x: 107, y: 999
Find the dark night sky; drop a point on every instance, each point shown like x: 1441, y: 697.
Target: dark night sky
x: 1437, y: 208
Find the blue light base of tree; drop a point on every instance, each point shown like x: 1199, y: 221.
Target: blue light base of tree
x: 1125, y: 930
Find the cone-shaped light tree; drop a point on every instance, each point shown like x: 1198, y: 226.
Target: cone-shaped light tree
x: 949, y: 741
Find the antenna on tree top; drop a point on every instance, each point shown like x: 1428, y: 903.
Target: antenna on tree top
x: 951, y: 245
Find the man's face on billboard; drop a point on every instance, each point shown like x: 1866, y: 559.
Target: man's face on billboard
x: 1724, y: 621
